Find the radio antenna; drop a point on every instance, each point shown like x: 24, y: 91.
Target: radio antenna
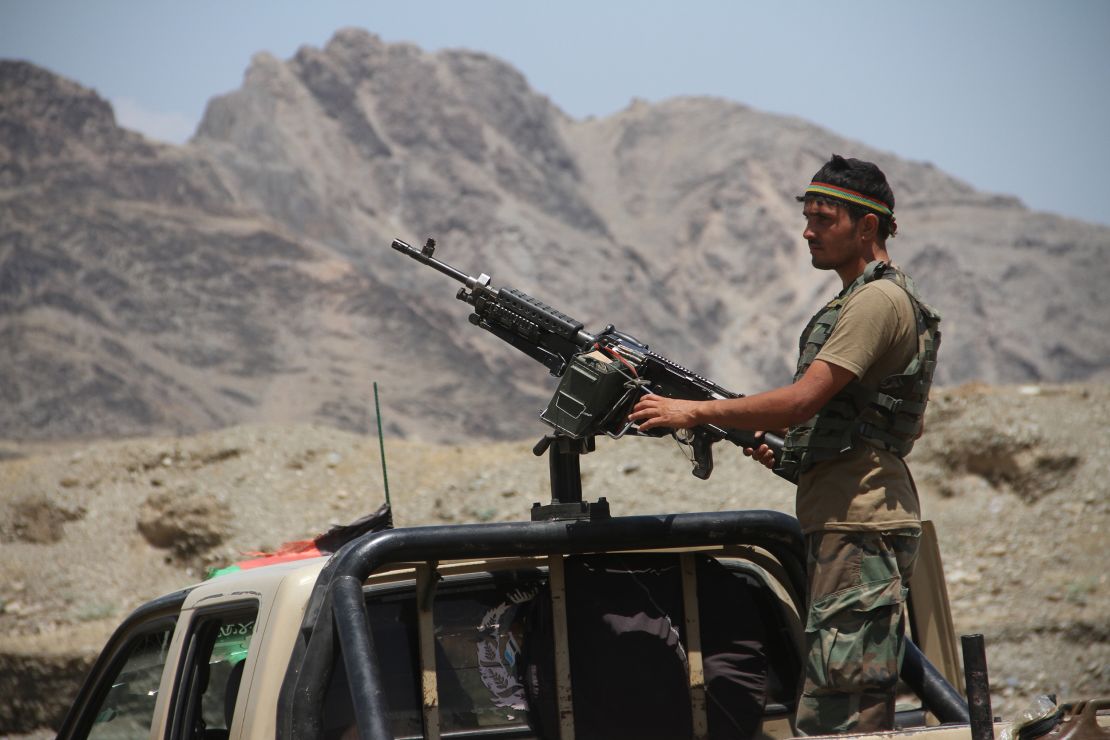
x: 381, y: 444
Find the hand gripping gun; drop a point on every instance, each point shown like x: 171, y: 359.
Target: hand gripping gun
x: 603, y: 375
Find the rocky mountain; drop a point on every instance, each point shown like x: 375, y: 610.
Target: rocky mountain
x: 247, y: 276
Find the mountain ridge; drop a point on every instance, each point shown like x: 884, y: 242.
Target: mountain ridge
x: 246, y: 277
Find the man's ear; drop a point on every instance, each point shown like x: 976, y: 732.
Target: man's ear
x: 869, y: 227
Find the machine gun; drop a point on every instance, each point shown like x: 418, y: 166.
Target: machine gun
x: 603, y: 375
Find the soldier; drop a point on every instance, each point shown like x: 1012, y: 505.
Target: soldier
x: 852, y: 414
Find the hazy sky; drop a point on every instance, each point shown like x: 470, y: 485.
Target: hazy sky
x: 1012, y: 96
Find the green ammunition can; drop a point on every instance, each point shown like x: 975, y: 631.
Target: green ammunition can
x: 591, y: 387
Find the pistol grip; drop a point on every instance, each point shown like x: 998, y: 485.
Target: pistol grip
x: 703, y: 456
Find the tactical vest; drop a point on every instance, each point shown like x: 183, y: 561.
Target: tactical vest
x: 890, y: 417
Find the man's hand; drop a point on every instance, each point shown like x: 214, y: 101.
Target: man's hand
x: 657, y: 411
x: 763, y: 454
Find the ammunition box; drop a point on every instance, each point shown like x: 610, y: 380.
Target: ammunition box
x: 592, y: 385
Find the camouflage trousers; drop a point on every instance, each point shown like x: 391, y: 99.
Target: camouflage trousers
x: 854, y: 629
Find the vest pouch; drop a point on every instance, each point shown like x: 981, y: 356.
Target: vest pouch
x: 591, y: 387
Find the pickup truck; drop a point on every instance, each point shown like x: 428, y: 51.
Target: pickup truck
x: 574, y: 624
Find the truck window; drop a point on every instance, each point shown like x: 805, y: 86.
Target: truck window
x: 127, y: 707
x: 479, y: 632
x: 477, y: 642
x: 209, y: 679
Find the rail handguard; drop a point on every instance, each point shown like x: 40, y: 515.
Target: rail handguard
x: 602, y: 374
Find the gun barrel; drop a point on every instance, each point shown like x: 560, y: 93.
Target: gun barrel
x: 523, y: 305
x: 427, y: 259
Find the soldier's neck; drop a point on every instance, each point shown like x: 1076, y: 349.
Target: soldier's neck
x: 868, y: 254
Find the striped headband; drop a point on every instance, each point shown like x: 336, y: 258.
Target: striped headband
x: 849, y: 196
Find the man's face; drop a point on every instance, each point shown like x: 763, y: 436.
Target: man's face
x: 833, y: 239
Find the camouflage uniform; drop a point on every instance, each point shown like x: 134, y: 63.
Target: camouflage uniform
x: 861, y: 515
x: 854, y: 630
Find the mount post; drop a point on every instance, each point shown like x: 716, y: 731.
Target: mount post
x: 564, y: 465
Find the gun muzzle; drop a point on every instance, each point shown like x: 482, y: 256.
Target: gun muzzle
x: 425, y: 256
x: 411, y: 251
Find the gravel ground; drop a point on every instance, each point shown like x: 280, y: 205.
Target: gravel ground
x: 1017, y: 480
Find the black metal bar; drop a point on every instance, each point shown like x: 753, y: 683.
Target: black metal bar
x: 978, y: 687
x: 774, y: 530
x: 938, y: 696
x: 356, y: 641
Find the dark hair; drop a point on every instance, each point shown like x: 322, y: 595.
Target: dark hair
x: 864, y: 178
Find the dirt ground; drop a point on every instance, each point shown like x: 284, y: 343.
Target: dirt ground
x: 1017, y: 480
